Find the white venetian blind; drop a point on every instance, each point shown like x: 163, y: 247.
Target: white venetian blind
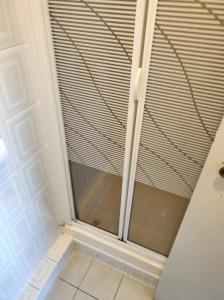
x: 93, y: 50
x: 185, y: 94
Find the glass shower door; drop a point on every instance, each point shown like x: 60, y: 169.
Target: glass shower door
x: 180, y: 107
x: 93, y: 45
x: 178, y: 115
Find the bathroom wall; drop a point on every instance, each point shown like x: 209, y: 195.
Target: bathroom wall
x: 29, y: 174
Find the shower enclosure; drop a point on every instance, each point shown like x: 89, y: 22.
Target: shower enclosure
x: 141, y: 86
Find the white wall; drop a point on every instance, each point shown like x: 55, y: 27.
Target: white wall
x: 30, y: 189
x: 195, y: 268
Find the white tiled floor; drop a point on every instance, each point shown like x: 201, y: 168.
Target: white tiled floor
x: 86, y: 278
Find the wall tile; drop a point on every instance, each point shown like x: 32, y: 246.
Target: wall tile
x: 24, y: 134
x: 12, y: 200
x: 8, y: 31
x: 5, y: 253
x: 6, y: 156
x: 42, y: 203
x: 50, y: 229
x: 10, y: 283
x: 14, y: 91
x: 27, y: 223
x: 20, y: 231
x: 30, y: 256
x: 34, y: 174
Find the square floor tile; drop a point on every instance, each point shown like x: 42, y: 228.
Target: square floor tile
x: 83, y: 296
x: 76, y: 267
x: 133, y: 289
x: 61, y: 291
x: 101, y: 281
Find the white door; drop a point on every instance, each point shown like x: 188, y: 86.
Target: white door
x: 195, y: 267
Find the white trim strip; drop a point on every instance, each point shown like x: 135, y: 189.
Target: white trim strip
x: 151, y: 18
x: 136, y: 61
x: 139, y: 262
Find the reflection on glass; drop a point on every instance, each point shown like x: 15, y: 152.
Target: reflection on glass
x: 97, y: 196
x: 156, y: 217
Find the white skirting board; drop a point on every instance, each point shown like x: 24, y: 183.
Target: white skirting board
x: 45, y: 274
x: 141, y: 263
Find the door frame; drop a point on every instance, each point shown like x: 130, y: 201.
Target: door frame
x: 149, y: 33
x: 68, y: 201
x: 138, y: 42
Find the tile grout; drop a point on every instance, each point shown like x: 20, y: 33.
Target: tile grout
x: 87, y: 271
x: 69, y: 283
x: 62, y: 279
x: 76, y: 292
x: 78, y: 287
x: 115, y: 295
x: 85, y: 293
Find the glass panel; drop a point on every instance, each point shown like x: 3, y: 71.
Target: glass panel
x: 183, y: 108
x: 156, y: 217
x: 93, y: 50
x: 97, y: 196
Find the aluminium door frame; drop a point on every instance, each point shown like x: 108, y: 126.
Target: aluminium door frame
x: 149, y: 34
x: 145, y: 10
x: 141, y: 7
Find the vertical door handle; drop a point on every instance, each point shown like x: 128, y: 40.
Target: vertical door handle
x: 138, y: 84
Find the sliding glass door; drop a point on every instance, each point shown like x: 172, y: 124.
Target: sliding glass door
x: 178, y: 116
x: 93, y: 45
x: 137, y: 140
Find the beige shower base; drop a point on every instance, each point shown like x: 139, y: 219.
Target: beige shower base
x: 156, y: 214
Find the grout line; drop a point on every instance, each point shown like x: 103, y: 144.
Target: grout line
x: 87, y: 294
x: 69, y: 283
x: 118, y: 286
x: 76, y: 292
x: 78, y: 287
x: 87, y: 271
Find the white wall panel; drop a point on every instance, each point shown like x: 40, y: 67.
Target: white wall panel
x: 34, y: 175
x: 12, y: 199
x: 9, y: 34
x: 10, y: 283
x: 14, y: 83
x: 42, y: 204
x: 5, y: 253
x: 23, y: 131
x: 30, y: 255
x: 7, y: 162
x: 27, y: 221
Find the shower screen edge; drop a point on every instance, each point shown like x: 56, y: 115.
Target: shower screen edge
x: 151, y: 17
x: 132, y: 108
